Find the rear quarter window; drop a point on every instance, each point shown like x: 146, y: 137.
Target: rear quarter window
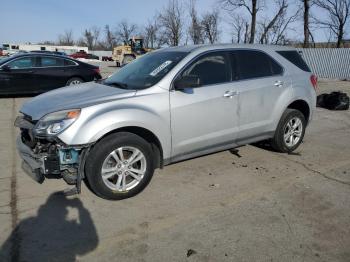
x: 295, y: 58
x: 69, y: 62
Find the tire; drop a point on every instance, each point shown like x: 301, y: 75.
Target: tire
x: 105, y: 155
x: 127, y: 59
x: 287, y: 137
x: 74, y: 81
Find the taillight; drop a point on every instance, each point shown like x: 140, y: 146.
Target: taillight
x: 97, y: 70
x: 313, y: 80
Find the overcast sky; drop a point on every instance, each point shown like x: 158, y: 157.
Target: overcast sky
x: 39, y: 20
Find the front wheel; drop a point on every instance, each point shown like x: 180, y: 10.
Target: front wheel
x: 290, y: 131
x: 119, y: 166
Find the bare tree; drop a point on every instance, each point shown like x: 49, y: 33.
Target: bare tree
x: 306, y: 22
x: 279, y: 31
x: 91, y: 36
x: 96, y: 34
x: 88, y: 38
x: 195, y: 30
x: 110, y: 38
x: 66, y: 38
x: 252, y: 6
x: 210, y: 22
x: 338, y: 14
x: 151, y: 33
x: 126, y: 30
x: 240, y: 28
x: 171, y: 20
x: 282, y: 6
x: 281, y: 10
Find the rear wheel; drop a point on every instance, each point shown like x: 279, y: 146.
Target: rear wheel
x: 119, y: 166
x: 74, y: 81
x: 290, y: 131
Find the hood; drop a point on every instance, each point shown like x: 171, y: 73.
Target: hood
x: 78, y: 96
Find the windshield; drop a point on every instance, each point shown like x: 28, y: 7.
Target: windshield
x: 145, y: 71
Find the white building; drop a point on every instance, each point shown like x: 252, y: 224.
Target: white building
x: 31, y: 47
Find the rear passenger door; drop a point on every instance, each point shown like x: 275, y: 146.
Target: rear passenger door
x: 51, y: 73
x: 261, y: 84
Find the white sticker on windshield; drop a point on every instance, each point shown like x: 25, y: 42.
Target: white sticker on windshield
x: 160, y: 68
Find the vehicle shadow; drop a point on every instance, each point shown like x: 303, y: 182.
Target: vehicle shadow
x: 52, y: 235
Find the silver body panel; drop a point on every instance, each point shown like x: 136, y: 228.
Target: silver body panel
x: 187, y: 124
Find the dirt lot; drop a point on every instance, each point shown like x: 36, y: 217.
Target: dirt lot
x: 255, y: 205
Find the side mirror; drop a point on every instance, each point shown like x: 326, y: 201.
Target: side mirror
x: 190, y: 81
x: 6, y: 68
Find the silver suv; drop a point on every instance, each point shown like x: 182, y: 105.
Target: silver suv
x: 169, y: 105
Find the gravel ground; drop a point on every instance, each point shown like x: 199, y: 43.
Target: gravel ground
x: 253, y: 205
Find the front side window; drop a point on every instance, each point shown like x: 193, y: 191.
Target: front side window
x: 25, y: 62
x: 254, y: 64
x: 211, y: 69
x: 145, y: 71
x: 51, y: 61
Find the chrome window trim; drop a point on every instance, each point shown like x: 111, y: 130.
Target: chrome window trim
x: 38, y: 67
x: 172, y: 88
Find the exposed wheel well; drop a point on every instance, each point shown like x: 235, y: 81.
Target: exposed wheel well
x: 302, y: 106
x: 149, y: 137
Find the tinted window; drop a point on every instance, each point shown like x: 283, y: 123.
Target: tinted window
x: 296, y: 59
x: 69, y: 63
x: 51, y: 61
x: 253, y: 64
x: 210, y: 68
x: 25, y: 62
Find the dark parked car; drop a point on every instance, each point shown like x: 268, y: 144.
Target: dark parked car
x: 38, y: 73
x: 83, y: 54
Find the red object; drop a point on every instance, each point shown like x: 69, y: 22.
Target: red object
x: 1, y: 52
x: 97, y: 70
x: 80, y: 54
x: 313, y: 79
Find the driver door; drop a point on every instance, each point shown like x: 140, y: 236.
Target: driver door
x: 204, y: 119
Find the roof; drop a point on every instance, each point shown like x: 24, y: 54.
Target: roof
x: 207, y: 47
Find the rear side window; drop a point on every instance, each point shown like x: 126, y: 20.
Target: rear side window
x: 296, y: 59
x: 211, y: 68
x: 69, y: 62
x: 253, y: 64
x: 51, y: 61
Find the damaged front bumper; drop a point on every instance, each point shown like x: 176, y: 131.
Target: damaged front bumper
x: 43, y: 158
x: 32, y: 164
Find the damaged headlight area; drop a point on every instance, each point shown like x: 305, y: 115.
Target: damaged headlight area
x: 44, y: 154
x: 54, y: 123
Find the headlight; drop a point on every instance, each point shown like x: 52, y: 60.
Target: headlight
x: 54, y: 123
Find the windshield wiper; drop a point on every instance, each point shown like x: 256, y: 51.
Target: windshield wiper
x: 117, y: 84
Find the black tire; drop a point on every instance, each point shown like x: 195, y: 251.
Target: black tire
x: 74, y: 81
x: 278, y: 142
x: 100, y: 152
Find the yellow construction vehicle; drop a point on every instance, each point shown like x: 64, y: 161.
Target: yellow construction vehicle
x: 124, y: 54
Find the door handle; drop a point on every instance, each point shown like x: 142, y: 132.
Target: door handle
x: 230, y: 94
x: 279, y: 83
